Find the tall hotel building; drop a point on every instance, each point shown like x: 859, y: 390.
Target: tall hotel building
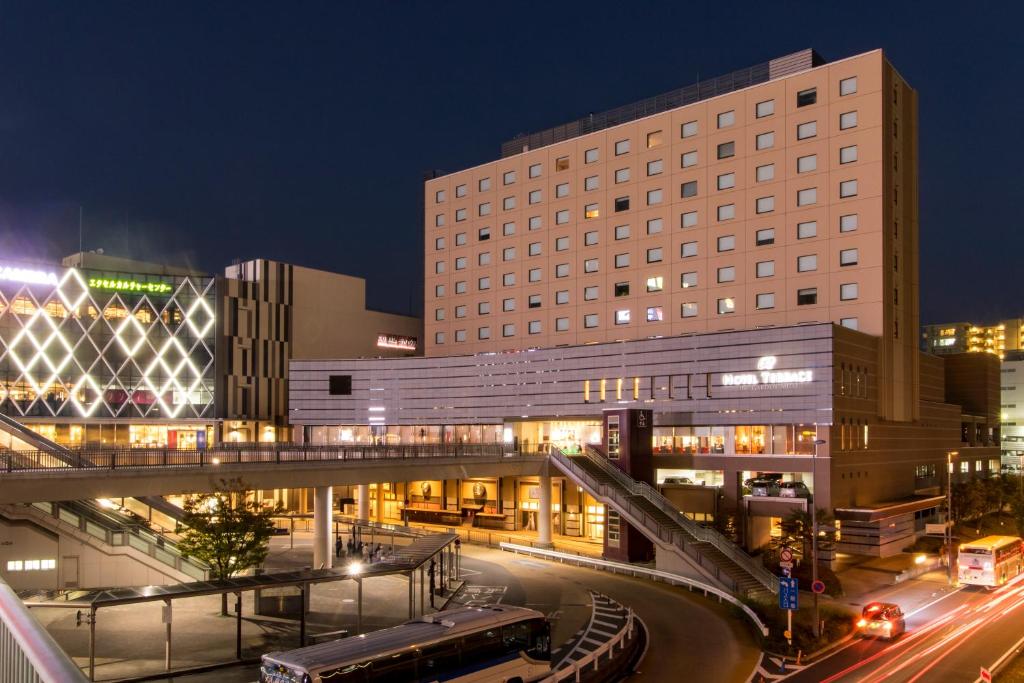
x: 739, y: 257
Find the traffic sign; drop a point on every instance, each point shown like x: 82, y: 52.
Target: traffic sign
x: 789, y: 592
x: 986, y: 675
x: 786, y: 554
x: 786, y: 565
x: 818, y: 587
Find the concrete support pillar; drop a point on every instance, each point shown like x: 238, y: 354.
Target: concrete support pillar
x: 379, y: 514
x: 544, y: 512
x: 363, y: 501
x: 323, y: 555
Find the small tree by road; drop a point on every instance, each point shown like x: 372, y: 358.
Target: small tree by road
x: 227, y: 529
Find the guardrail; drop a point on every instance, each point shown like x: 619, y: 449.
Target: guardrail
x: 139, y: 537
x: 27, y: 652
x: 698, y: 532
x: 592, y: 659
x: 632, y: 570
x: 228, y: 454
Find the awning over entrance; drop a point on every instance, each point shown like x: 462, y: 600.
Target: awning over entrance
x: 879, y: 511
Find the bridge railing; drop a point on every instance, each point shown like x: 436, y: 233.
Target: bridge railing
x: 27, y: 652
x: 240, y: 454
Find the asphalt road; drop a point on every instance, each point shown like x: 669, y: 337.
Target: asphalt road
x: 949, y: 639
x: 691, y: 637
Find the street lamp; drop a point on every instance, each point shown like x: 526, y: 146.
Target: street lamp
x: 949, y: 514
x: 814, y: 539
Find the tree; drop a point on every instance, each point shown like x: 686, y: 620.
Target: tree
x: 228, y: 529
x: 796, y: 529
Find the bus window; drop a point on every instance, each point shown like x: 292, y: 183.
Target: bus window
x: 436, y: 659
x: 481, y: 647
x: 399, y: 668
x: 516, y: 637
x: 541, y: 640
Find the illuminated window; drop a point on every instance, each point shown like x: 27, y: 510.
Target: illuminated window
x: 654, y: 314
x: 806, y: 263
x: 622, y: 317
x: 15, y: 565
x: 562, y: 164
x: 591, y: 211
x: 807, y: 163
x: 765, y: 237
x: 806, y: 130
x: 726, y: 305
x: 654, y: 139
x: 765, y: 301
x: 807, y: 196
x: 806, y: 230
x: 655, y: 284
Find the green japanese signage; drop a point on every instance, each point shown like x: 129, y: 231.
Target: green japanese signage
x: 131, y: 286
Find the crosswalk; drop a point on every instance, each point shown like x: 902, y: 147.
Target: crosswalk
x: 771, y: 668
x: 607, y: 619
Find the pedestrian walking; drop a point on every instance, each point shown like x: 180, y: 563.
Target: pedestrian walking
x: 337, y: 546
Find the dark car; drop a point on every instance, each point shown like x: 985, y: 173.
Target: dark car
x: 882, y: 620
x: 763, y: 487
x: 677, y: 480
x: 794, y: 489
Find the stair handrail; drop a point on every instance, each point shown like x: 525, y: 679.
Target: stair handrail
x: 701, y: 533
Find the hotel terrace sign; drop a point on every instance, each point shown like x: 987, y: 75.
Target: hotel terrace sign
x: 767, y: 374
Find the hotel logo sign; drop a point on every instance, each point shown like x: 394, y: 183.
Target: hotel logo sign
x: 767, y: 374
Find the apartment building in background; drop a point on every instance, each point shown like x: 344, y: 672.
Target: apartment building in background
x: 963, y: 337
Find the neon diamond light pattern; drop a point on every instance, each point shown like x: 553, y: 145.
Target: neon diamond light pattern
x: 92, y: 353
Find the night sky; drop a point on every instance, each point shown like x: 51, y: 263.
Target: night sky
x: 300, y: 131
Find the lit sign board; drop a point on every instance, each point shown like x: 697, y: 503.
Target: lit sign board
x: 396, y: 341
x: 767, y: 374
x: 28, y: 275
x: 130, y: 286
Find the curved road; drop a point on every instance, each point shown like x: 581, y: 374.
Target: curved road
x: 688, y: 633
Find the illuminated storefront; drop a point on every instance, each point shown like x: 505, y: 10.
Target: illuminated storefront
x: 89, y: 357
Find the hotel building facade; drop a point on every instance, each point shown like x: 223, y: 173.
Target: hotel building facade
x: 738, y: 256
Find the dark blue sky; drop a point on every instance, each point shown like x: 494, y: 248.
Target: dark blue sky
x: 301, y: 130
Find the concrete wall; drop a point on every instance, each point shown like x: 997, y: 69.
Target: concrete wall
x: 78, y: 564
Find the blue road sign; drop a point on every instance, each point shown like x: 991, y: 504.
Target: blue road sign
x: 789, y: 593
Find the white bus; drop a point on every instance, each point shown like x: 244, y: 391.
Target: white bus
x: 495, y: 643
x: 990, y: 561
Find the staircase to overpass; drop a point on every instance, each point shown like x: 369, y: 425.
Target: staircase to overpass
x: 705, y: 550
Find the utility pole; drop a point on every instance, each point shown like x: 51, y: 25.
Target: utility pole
x: 949, y: 515
x: 814, y: 540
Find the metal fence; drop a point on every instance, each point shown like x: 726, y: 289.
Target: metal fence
x: 236, y: 454
x: 27, y: 652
